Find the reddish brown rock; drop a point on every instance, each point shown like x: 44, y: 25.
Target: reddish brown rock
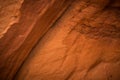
x: 36, y: 17
x: 9, y: 14
x: 83, y: 44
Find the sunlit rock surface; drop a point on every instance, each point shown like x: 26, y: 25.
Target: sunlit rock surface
x: 59, y: 39
x: 32, y: 20
x: 84, y: 44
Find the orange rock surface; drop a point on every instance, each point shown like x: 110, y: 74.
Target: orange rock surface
x: 35, y: 18
x: 9, y: 14
x: 81, y: 43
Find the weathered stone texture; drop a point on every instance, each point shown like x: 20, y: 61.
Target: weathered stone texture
x: 9, y: 14
x: 60, y: 39
x: 32, y: 20
x: 83, y: 45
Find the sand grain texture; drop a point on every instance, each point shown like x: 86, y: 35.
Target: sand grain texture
x: 32, y: 20
x: 84, y: 44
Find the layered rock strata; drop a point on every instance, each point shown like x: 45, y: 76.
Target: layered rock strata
x: 83, y: 45
x: 22, y: 24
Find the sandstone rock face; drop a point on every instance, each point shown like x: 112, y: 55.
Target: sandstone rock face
x: 32, y: 20
x: 84, y: 44
x: 9, y: 14
x: 59, y: 39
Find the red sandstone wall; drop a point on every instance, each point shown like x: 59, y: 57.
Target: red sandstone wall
x: 82, y: 40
